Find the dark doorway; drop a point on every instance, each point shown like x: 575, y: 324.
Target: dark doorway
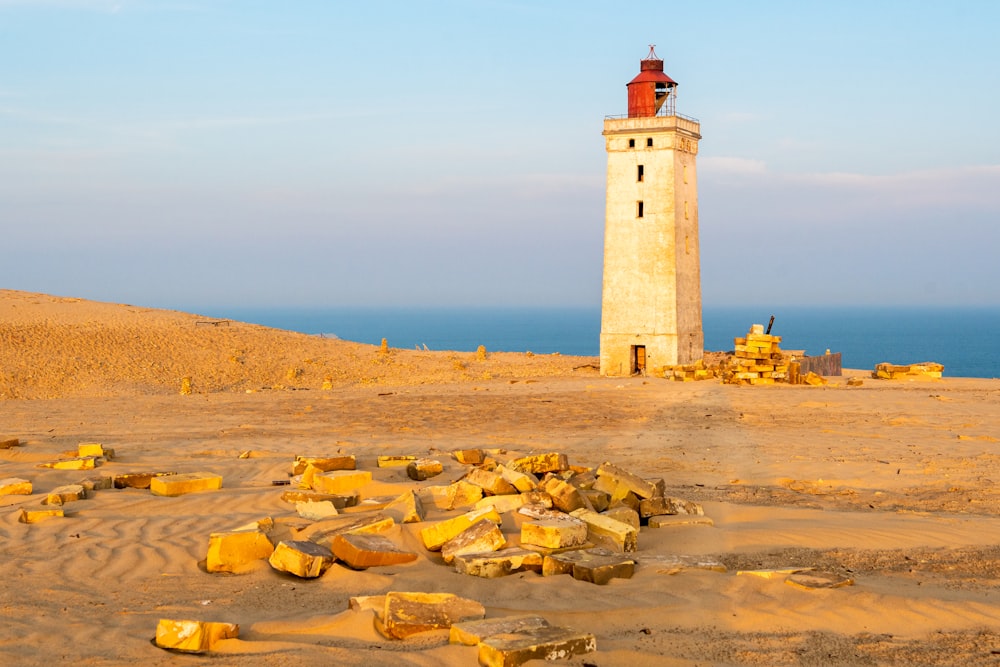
x: 638, y: 359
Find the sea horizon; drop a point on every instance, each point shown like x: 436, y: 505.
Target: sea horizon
x: 960, y: 337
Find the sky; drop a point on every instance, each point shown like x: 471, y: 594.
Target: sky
x: 192, y: 154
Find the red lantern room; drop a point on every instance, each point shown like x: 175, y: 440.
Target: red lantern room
x: 651, y: 92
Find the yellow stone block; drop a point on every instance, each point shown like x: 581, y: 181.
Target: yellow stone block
x: 307, y: 560
x: 340, y: 481
x: 236, y: 551
x: 324, y: 463
x: 454, y: 496
x: 482, y: 537
x: 193, y: 636
x: 555, y: 532
x: 539, y: 464
x: 471, y: 633
x: 65, y: 494
x: 81, y: 463
x: 435, y: 536
x: 546, y: 643
x: 36, y: 515
x: 15, y: 486
x: 394, y: 461
x: 407, y: 614
x: 610, y: 532
x: 407, y: 508
x: 190, y: 482
x: 91, y: 449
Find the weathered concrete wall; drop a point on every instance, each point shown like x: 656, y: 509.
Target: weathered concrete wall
x: 652, y: 277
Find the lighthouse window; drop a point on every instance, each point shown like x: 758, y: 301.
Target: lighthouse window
x: 640, y: 174
x: 649, y: 141
x: 631, y: 143
x: 638, y: 209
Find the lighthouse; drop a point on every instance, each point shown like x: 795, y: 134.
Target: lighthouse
x: 651, y: 296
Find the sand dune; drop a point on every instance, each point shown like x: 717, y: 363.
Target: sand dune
x: 892, y: 483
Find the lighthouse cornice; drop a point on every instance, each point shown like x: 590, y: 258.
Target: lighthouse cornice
x: 624, y: 125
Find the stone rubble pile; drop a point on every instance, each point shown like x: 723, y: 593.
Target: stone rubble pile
x: 757, y: 359
x: 927, y: 369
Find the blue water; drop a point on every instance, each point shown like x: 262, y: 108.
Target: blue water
x: 965, y: 340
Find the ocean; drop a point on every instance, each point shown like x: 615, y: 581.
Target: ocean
x: 964, y: 339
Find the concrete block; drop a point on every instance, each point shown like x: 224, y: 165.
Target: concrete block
x: 375, y: 603
x: 193, y: 636
x: 78, y: 463
x: 469, y: 456
x: 436, y: 535
x: 361, y: 551
x: 65, y: 494
x: 490, y: 482
x: 539, y: 464
x: 237, y: 551
x: 608, y: 532
x: 814, y: 580
x: 625, y: 515
x: 324, y: 463
x: 660, y: 505
x: 37, y: 515
x: 316, y: 510
x: 138, y: 480
x: 340, y: 501
x: 85, y: 449
x: 546, y: 643
x: 406, y: 508
x: 189, y: 482
x: 674, y: 564
x: 98, y: 483
x: 407, y: 614
x: 556, y: 532
x: 597, y: 566
x: 596, y: 500
x: 10, y: 443
x: 499, y: 563
x: 470, y: 633
x: 481, y: 537
x: 323, y: 532
x: 608, y: 473
x: 15, y: 486
x: 422, y: 469
x: 304, y: 559
x: 522, y: 481
x: 340, y: 482
x: 565, y: 496
x: 454, y: 496
x: 502, y: 504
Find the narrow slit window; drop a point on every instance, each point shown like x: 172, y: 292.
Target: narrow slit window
x: 649, y: 141
x: 640, y: 173
x: 638, y: 209
x: 631, y: 143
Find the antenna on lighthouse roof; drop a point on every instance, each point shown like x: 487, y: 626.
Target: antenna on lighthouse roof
x: 652, y: 53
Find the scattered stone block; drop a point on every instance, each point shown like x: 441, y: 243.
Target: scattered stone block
x: 394, y: 461
x: 470, y: 633
x: 855, y: 382
x: 361, y: 551
x: 773, y: 573
x: 304, y: 559
x: 596, y: 500
x: 454, y: 496
x: 237, y: 550
x: 98, y: 483
x: 499, y: 563
x: 10, y: 443
x: 407, y: 614
x: 609, y: 475
x: 193, y: 636
x: 660, y: 505
x: 406, y: 508
x: 605, y: 531
x: 435, y: 536
x: 522, y: 481
x: 887, y: 371
x: 323, y: 532
x: 502, y: 504
x: 96, y: 449
x: 472, y: 457
x: 340, y: 501
x: 324, y: 463
x: 539, y: 464
x: 316, y: 510
x: 422, y: 469
x: 565, y: 496
x: 375, y: 603
x: 490, y: 482
x: 65, y: 494
x: 481, y: 537
x: 669, y: 520
x: 813, y: 379
x: 597, y: 566
x: 340, y: 482
x: 37, y: 515
x: 546, y: 643
x: 554, y: 532
x: 813, y: 580
x: 181, y: 484
x: 625, y: 515
x: 138, y: 480
x: 15, y: 486
x: 77, y: 463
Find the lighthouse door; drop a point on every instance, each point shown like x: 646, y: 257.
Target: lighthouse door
x: 638, y: 359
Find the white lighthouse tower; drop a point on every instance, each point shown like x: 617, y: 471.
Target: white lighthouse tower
x: 651, y: 301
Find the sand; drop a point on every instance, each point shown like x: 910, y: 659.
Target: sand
x: 890, y: 483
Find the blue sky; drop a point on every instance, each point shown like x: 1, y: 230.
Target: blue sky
x: 190, y: 154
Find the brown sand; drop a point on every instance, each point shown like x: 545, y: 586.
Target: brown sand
x: 891, y: 483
